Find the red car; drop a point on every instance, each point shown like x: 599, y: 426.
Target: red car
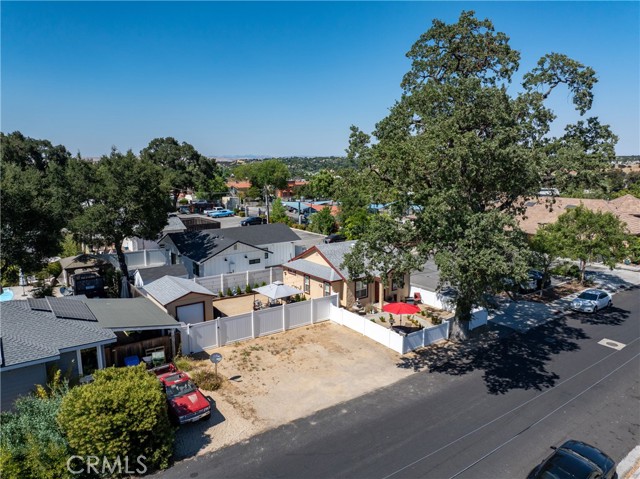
x: 186, y: 402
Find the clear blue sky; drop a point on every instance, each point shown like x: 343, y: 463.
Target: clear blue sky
x: 271, y: 78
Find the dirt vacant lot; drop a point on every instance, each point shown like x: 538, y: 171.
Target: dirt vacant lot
x: 279, y: 378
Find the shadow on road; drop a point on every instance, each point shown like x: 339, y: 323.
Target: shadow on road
x: 612, y: 316
x: 193, y: 437
x: 517, y: 361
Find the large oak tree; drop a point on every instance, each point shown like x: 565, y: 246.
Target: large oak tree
x: 465, y: 152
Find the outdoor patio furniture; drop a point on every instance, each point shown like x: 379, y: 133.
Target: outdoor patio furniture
x: 158, y: 358
x: 417, y: 298
x: 131, y: 361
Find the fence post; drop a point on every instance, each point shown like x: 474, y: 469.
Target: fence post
x: 253, y: 324
x: 247, y: 277
x: 221, y: 283
x: 271, y: 275
x: 284, y: 316
x: 311, y: 314
x: 217, y: 332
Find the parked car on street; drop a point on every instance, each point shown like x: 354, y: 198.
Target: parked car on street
x: 335, y: 238
x: 220, y: 213
x: 253, y: 220
x: 534, y: 282
x: 591, y: 301
x: 186, y: 402
x: 575, y: 460
x: 215, y: 208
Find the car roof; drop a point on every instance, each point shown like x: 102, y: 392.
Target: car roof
x: 595, y: 291
x: 175, y: 378
x: 564, y: 464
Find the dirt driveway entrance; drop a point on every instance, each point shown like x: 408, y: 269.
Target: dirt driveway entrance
x: 286, y: 376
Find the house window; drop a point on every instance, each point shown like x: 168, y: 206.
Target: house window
x: 327, y: 289
x: 235, y: 246
x: 196, y: 269
x: 266, y: 256
x: 307, y: 284
x: 89, y: 358
x: 396, y: 284
x: 362, y: 289
x: 254, y: 261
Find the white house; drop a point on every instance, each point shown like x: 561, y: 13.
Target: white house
x: 231, y: 250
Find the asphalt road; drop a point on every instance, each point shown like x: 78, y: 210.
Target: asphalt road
x: 491, y: 411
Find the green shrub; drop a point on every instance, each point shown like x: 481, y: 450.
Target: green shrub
x: 122, y: 413
x: 206, y: 378
x: 263, y: 283
x: 238, y: 290
x: 566, y: 269
x: 183, y: 201
x: 184, y: 363
x: 32, y: 445
x: 221, y: 294
x: 229, y: 292
x: 54, y: 269
x: 247, y: 289
x: 435, y: 320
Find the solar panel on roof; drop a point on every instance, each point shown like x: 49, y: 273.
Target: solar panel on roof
x: 38, y: 304
x: 63, y: 308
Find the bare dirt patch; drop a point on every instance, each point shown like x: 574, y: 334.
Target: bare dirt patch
x: 276, y: 379
x: 557, y: 292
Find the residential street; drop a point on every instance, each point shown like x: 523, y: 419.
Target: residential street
x: 488, y: 411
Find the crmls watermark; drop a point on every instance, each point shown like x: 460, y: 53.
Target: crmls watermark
x: 103, y: 465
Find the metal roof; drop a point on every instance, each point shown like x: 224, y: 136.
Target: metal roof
x: 130, y: 314
x: 38, y: 335
x: 169, y: 288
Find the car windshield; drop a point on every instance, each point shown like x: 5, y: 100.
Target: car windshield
x: 566, y: 466
x: 180, y: 389
x: 588, y: 296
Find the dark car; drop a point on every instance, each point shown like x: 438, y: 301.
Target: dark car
x: 575, y: 460
x: 335, y: 238
x: 535, y: 282
x: 253, y: 220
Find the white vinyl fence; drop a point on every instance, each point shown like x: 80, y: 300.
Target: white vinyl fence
x: 387, y: 337
x: 446, y: 303
x: 222, y: 282
x: 222, y: 331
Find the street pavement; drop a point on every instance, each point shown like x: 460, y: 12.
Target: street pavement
x: 523, y: 315
x: 488, y: 409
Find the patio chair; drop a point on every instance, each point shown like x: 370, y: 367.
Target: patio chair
x: 131, y: 361
x: 417, y: 298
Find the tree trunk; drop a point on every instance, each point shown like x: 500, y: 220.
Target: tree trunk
x: 583, y: 267
x: 460, y: 331
x: 121, y: 260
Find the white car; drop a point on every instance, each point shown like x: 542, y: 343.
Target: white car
x: 591, y: 301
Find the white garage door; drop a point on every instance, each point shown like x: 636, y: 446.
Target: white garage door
x: 192, y: 313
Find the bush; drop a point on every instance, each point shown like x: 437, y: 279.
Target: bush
x: 32, y: 445
x: 566, y: 269
x: 229, y: 292
x: 207, y: 379
x: 54, y: 269
x: 238, y: 290
x: 183, y: 201
x: 184, y: 363
x: 122, y: 413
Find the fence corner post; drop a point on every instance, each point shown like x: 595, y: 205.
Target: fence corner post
x: 311, y: 313
x: 253, y: 324
x: 284, y: 317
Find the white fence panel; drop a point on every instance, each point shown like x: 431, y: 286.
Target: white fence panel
x: 321, y: 311
x: 413, y: 341
x: 199, y: 337
x: 298, y: 314
x: 479, y: 318
x: 267, y: 321
x: 437, y: 333
x: 396, y: 342
x: 235, y: 328
x: 222, y: 282
x: 376, y: 332
x: 433, y: 299
x: 353, y: 321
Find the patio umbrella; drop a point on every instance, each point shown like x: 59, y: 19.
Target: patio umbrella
x: 278, y: 290
x: 400, y: 308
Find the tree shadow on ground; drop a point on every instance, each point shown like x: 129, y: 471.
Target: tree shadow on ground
x: 192, y: 437
x: 611, y: 316
x: 517, y: 361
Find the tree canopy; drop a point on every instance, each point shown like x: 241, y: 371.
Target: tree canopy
x: 465, y: 154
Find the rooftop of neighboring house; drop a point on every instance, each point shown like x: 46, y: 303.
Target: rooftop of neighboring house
x: 239, y: 184
x: 148, y: 275
x: 82, y: 261
x: 626, y: 208
x: 168, y: 289
x: 35, y: 336
x: 201, y: 245
x: 174, y: 225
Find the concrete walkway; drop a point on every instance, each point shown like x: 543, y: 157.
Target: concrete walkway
x: 525, y: 315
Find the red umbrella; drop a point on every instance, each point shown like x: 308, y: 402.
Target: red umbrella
x: 400, y: 308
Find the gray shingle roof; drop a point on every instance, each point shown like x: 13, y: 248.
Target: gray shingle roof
x: 168, y: 288
x: 129, y: 314
x: 174, y: 224
x: 313, y: 269
x: 36, y: 335
x: 200, y: 245
x: 149, y: 275
x: 335, y: 252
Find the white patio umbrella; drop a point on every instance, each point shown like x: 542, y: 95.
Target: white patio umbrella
x: 278, y: 290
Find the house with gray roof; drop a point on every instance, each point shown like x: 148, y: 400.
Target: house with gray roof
x: 31, y: 340
x: 144, y: 276
x: 184, y: 299
x: 231, y: 250
x: 319, y: 272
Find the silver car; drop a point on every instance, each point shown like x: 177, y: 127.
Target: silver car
x: 591, y: 301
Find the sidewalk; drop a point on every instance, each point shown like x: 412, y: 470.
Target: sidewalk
x: 524, y: 315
